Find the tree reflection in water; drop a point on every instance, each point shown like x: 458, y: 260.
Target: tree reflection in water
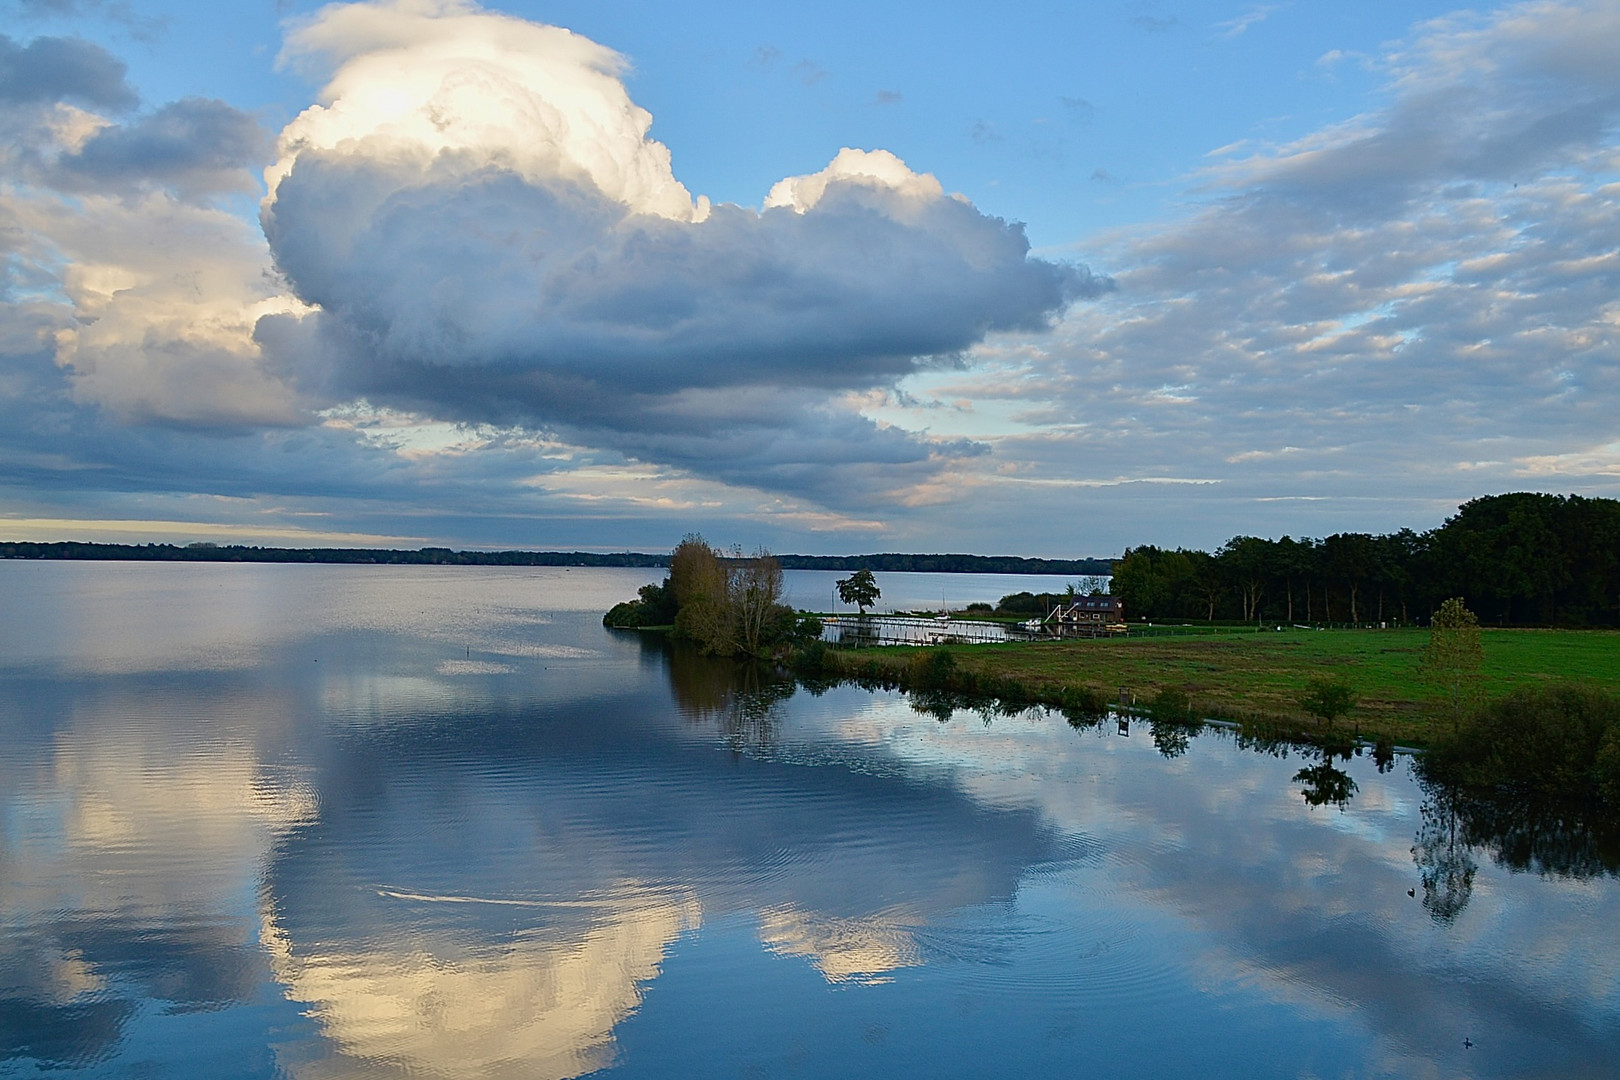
x: 1170, y: 737
x: 1324, y: 783
x: 1518, y: 832
x: 1548, y: 838
x: 1444, y: 862
x: 742, y: 698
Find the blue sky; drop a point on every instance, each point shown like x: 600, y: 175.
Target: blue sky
x: 1086, y: 275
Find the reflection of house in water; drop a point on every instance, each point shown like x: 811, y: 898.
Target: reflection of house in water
x: 1088, y: 615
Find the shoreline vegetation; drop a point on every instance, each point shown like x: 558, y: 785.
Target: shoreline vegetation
x: 1542, y: 720
x: 1532, y: 711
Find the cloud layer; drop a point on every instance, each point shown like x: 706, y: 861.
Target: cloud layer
x: 1387, y: 316
x: 476, y: 288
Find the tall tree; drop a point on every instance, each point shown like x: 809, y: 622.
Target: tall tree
x: 1348, y: 559
x: 755, y: 591
x: 1451, y: 660
x: 860, y: 589
x: 1290, y: 561
x: 1207, y: 582
x: 1248, y: 562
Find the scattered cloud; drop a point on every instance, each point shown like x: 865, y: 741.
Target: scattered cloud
x: 1232, y: 28
x: 1078, y: 110
x: 1154, y: 24
x: 809, y: 72
x: 138, y: 26
x: 1409, y: 294
x: 983, y: 132
x: 196, y: 147
x: 52, y: 69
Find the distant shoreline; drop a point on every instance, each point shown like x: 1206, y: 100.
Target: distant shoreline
x: 431, y: 556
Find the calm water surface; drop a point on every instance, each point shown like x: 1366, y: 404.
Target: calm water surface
x: 372, y: 822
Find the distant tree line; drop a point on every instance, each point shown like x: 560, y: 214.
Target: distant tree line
x: 430, y: 556
x: 1522, y: 559
x: 438, y: 556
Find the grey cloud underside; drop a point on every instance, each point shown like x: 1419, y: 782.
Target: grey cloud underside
x: 194, y: 146
x: 50, y: 69
x: 775, y: 438
x: 506, y: 275
x: 479, y: 296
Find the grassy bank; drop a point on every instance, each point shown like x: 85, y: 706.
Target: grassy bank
x: 1259, y: 677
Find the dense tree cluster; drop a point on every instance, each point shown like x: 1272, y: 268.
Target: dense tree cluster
x: 1524, y: 559
x: 1028, y: 603
x: 895, y: 563
x: 724, y: 603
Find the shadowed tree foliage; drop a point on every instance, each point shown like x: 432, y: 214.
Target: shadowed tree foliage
x: 1555, y: 741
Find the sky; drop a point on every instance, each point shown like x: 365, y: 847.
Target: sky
x: 1053, y: 281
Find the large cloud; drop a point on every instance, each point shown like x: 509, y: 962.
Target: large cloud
x: 489, y: 235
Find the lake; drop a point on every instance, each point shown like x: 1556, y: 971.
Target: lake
x: 340, y: 821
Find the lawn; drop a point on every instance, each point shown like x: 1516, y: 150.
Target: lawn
x: 1245, y: 674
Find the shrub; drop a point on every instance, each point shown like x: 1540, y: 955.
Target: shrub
x: 1083, y: 707
x: 1170, y: 706
x: 1554, y: 740
x: 1328, y: 699
x: 933, y: 669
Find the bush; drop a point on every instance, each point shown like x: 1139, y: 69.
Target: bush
x: 1553, y: 740
x: 1170, y: 706
x: 655, y: 606
x: 932, y: 669
x: 1083, y: 707
x: 1328, y: 699
x: 810, y: 658
x: 1028, y: 603
x: 807, y: 628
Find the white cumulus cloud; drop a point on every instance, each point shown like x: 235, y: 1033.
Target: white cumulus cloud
x: 489, y: 234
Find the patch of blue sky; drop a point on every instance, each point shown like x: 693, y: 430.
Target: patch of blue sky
x: 1070, y: 118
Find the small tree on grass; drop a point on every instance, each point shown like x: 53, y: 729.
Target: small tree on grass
x: 860, y: 589
x: 1328, y: 699
x: 1451, y: 660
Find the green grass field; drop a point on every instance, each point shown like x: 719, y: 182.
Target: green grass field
x: 1242, y: 674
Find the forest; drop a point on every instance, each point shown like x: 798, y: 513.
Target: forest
x: 1520, y: 559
